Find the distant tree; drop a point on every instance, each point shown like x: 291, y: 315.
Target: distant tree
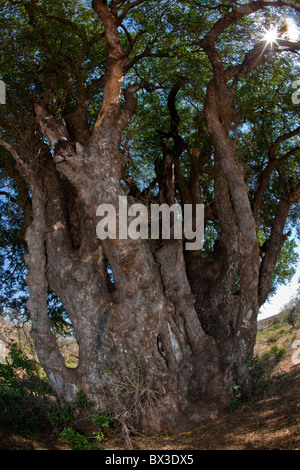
x: 163, y: 102
x: 293, y: 316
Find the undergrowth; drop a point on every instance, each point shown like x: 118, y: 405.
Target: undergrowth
x: 262, y: 370
x: 263, y: 376
x: 28, y: 405
x: 26, y: 397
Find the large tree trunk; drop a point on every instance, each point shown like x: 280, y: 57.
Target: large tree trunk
x: 160, y: 350
x: 146, y: 338
x: 163, y: 348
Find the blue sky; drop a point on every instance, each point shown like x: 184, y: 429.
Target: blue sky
x: 282, y: 296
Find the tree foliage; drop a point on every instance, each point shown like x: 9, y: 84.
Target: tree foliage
x: 54, y: 53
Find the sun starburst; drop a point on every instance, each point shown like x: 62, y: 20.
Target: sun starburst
x: 271, y: 35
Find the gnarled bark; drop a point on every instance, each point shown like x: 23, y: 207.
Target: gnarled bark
x: 164, y: 346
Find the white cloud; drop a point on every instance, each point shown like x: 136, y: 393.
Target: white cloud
x: 281, y: 298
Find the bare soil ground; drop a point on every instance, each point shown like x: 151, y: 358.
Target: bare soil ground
x: 268, y: 423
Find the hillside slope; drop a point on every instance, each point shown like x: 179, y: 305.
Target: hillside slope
x: 268, y: 420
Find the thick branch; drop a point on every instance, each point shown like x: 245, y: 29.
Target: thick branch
x: 13, y: 151
x: 280, y: 140
x: 147, y: 52
x: 22, y: 166
x: 225, y: 151
x: 265, y: 177
x: 56, y: 133
x: 44, y: 340
x: 254, y: 57
x: 272, y: 164
x: 289, y: 45
x: 115, y: 60
x: 130, y: 103
x: 9, y: 196
x: 76, y: 117
x: 274, y: 244
x: 110, y: 22
x: 165, y: 168
x: 234, y: 16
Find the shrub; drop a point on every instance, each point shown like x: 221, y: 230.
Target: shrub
x: 276, y: 322
x: 27, y: 404
x: 276, y: 337
x: 292, y: 317
x: 78, y: 441
x: 262, y: 370
x: 25, y: 397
